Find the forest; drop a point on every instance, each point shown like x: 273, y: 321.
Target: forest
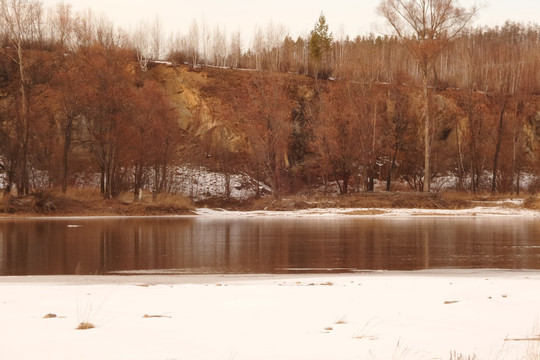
x: 85, y: 102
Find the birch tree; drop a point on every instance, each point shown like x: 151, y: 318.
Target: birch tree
x: 141, y: 42
x: 193, y: 43
x: 426, y: 27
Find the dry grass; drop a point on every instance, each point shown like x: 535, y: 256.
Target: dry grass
x: 374, y: 200
x: 449, y: 302
x: 90, y: 202
x: 365, y: 332
x: 173, y: 200
x: 79, y: 193
x: 374, y: 203
x: 459, y: 356
x: 366, y: 212
x: 532, y: 338
x: 532, y: 203
x: 85, y: 326
x: 146, y: 316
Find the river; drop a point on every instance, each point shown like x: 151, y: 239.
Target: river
x: 205, y: 245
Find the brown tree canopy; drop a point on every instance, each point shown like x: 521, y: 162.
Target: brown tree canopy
x: 434, y: 100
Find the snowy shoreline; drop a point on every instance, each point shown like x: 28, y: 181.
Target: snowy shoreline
x: 374, y: 212
x: 428, y: 314
x: 480, y: 211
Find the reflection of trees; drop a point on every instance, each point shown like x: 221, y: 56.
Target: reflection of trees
x: 199, y: 245
x: 31, y: 250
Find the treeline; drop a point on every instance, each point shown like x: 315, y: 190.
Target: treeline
x: 69, y: 83
x: 468, y: 63
x: 77, y: 96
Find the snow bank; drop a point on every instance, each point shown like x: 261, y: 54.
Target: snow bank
x: 383, y: 212
x: 422, y: 315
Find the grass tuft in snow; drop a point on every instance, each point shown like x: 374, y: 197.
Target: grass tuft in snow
x: 365, y: 332
x: 454, y: 355
x: 85, y: 326
x: 147, y: 316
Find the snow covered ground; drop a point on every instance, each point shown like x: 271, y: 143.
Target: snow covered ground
x: 501, y: 210
x: 376, y: 315
x: 200, y: 183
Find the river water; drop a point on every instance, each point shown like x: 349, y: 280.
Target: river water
x: 201, y: 245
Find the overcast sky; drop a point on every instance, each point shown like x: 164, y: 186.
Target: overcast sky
x: 355, y: 17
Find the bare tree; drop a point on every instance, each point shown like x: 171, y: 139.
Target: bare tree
x: 62, y: 22
x: 141, y: 42
x: 274, y: 39
x: 258, y: 47
x: 267, y: 124
x: 20, y: 21
x: 427, y: 27
x: 108, y: 110
x: 397, y: 128
x: 156, y: 34
x: 219, y: 47
x: 235, y: 52
x: 193, y: 43
x: 68, y: 98
x: 205, y: 36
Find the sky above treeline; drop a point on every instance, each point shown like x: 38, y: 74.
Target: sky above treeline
x: 345, y: 17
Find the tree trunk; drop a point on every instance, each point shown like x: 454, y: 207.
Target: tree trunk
x: 67, y: 143
x: 498, y: 147
x: 390, y: 169
x: 345, y: 185
x: 23, y: 177
x: 102, y: 183
x: 64, y: 170
x: 427, y: 142
x: 518, y: 182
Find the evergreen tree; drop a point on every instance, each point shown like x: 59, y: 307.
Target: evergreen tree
x: 320, y: 41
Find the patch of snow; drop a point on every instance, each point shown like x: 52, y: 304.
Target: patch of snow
x: 163, y: 62
x: 379, y: 212
x: 200, y: 183
x: 517, y: 202
x: 452, y: 182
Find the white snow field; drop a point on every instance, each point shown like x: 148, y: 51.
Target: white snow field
x: 442, y: 314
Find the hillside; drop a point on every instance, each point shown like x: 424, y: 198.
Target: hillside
x: 212, y: 133
x: 232, y: 113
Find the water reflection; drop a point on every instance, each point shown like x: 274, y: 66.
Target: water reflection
x: 264, y: 245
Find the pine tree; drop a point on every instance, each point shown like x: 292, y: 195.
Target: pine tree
x: 320, y: 41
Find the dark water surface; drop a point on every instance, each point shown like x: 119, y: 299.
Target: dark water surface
x: 264, y: 245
